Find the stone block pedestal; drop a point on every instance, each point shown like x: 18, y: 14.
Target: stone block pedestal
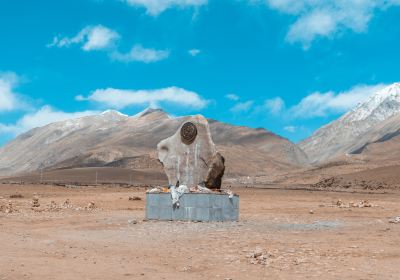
x: 202, y: 207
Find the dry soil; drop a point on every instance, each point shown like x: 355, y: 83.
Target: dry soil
x: 304, y: 235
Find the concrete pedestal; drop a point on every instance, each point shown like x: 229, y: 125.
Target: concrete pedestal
x: 192, y: 207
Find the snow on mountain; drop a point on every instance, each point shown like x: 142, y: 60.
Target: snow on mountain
x: 113, y: 114
x: 343, y: 135
x: 114, y: 139
x: 380, y: 106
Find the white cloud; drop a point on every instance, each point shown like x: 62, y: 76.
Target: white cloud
x: 11, y: 101
x: 90, y: 38
x: 102, y: 38
x: 42, y: 117
x: 8, y: 100
x: 118, y: 98
x: 322, y: 104
x: 319, y: 104
x: 232, y: 97
x: 290, y: 128
x: 156, y: 7
x: 275, y: 105
x: 242, y: 107
x: 318, y: 23
x: 326, y: 18
x: 194, y: 52
x: 138, y: 53
x: 286, y: 6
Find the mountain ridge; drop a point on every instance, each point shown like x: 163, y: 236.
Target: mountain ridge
x: 341, y: 136
x: 112, y: 138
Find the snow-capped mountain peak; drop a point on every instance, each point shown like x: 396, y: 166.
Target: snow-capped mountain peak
x: 343, y: 135
x: 113, y: 113
x: 379, y: 106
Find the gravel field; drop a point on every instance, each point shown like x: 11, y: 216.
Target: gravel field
x: 98, y: 233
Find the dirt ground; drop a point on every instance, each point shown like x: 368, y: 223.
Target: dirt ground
x: 304, y: 235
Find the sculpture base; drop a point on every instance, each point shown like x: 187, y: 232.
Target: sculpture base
x: 202, y: 207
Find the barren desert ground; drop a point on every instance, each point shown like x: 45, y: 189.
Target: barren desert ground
x: 299, y: 234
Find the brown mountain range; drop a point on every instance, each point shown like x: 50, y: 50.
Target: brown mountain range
x: 112, y: 139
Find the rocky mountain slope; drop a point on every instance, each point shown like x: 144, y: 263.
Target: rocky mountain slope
x: 375, y: 120
x: 116, y: 140
x: 382, y: 143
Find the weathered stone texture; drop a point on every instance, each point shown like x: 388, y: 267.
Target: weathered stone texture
x: 190, y: 156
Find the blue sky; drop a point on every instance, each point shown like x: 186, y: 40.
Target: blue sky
x: 289, y: 66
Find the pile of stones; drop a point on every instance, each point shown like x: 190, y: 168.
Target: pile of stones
x: 8, y: 208
x: 395, y: 220
x: 35, y: 203
x: 361, y: 204
x: 259, y: 256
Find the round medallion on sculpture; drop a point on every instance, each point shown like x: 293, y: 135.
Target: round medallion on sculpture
x: 188, y: 133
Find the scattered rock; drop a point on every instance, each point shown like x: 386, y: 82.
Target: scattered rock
x: 395, y: 220
x: 364, y: 203
x: 186, y: 268
x: 90, y: 206
x: 311, y: 211
x: 132, y: 222
x: 8, y: 208
x: 342, y: 183
x: 35, y: 202
x: 134, y: 198
x: 259, y: 256
x: 361, y: 204
x: 53, y: 206
x: 67, y: 203
x: 16, y: 196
